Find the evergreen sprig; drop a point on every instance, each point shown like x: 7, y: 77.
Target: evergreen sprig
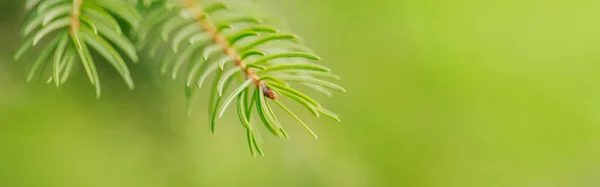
x: 250, y: 61
x: 73, y: 27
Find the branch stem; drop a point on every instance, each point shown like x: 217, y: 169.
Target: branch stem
x: 75, y: 16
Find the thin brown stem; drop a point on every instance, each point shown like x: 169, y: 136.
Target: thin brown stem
x: 220, y: 40
x: 75, y: 16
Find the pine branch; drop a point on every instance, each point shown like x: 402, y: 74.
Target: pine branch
x: 73, y: 28
x: 264, y: 62
x: 251, y: 61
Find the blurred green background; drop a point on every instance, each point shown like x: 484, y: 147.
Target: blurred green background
x: 440, y: 93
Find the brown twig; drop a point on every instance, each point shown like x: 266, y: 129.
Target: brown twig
x: 75, y: 16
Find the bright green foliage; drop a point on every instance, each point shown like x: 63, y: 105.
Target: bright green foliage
x: 96, y: 27
x: 250, y: 61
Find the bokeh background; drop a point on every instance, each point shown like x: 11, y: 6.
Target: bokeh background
x: 440, y: 94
